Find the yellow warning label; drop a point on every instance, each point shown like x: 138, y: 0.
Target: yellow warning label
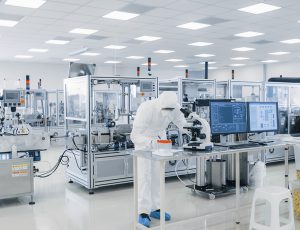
x: 18, y: 170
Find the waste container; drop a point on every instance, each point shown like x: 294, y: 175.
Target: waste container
x: 216, y: 172
x: 295, y: 188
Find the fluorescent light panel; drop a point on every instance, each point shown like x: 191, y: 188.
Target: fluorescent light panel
x: 71, y: 59
x: 193, y: 26
x: 210, y: 62
x: 120, y: 15
x: 212, y: 67
x: 164, y: 51
x: 25, y: 3
x: 181, y: 66
x: 200, y: 44
x: 8, y: 23
x: 115, y: 47
x: 259, y: 8
x: 291, y: 41
x: 237, y: 65
x: 239, y: 58
x: 269, y: 61
x: 174, y: 60
x: 279, y: 53
x: 204, y: 55
x: 57, y: 42
x: 90, y: 54
x: 112, y: 62
x: 249, y: 34
x: 243, y: 49
x: 147, y: 38
x: 83, y: 31
x: 23, y: 56
x: 34, y: 50
x: 135, y: 57
x: 152, y: 64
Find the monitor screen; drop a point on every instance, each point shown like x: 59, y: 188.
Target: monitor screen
x: 228, y: 117
x: 13, y: 95
x: 263, y: 116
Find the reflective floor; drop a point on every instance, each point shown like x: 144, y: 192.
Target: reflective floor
x: 63, y: 206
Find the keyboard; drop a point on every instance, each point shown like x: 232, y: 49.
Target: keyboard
x: 246, y: 145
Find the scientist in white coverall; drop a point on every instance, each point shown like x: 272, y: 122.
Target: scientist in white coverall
x: 150, y: 124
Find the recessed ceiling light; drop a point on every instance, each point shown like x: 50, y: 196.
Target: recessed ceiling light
x: 193, y: 26
x: 174, y: 60
x: 23, y: 56
x: 291, y: 41
x: 25, y: 3
x: 152, y: 64
x: 200, y: 44
x: 147, y: 38
x: 181, y: 66
x: 90, y: 54
x: 259, y: 8
x: 210, y: 62
x: 279, y: 53
x: 8, y: 23
x: 243, y: 49
x: 249, y: 34
x: 135, y: 57
x: 83, y: 31
x: 115, y: 47
x: 239, y: 58
x: 204, y: 55
x: 112, y: 62
x: 236, y: 65
x: 71, y: 59
x: 57, y: 42
x: 120, y: 15
x: 212, y: 67
x: 269, y: 61
x: 34, y: 50
x: 164, y: 51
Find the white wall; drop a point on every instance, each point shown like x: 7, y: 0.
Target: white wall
x: 255, y: 73
x: 52, y: 75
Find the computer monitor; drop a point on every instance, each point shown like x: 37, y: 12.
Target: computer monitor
x: 228, y: 118
x: 262, y: 116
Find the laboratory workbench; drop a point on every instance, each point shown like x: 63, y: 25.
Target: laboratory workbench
x: 181, y: 154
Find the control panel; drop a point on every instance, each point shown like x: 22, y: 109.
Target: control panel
x: 147, y: 88
x: 13, y: 98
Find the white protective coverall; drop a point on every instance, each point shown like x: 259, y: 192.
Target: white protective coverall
x: 150, y: 124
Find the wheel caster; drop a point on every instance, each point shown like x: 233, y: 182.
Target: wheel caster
x: 31, y: 203
x: 237, y: 222
x: 70, y: 182
x: 211, y: 196
x: 91, y: 192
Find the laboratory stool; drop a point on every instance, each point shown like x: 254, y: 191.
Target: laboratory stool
x: 273, y: 197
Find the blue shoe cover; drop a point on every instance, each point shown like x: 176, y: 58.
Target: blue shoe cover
x: 145, y: 220
x: 156, y: 215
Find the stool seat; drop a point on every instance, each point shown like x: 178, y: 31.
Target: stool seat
x: 273, y: 196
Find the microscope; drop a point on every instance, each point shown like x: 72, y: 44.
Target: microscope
x: 199, y: 130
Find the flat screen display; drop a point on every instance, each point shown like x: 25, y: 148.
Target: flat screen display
x: 228, y: 117
x: 263, y: 116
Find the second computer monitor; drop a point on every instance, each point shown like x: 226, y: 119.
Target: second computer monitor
x: 228, y: 117
x: 262, y: 117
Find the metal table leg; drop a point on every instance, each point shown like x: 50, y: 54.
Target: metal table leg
x: 237, y: 186
x: 135, y: 193
x: 162, y: 196
x: 286, y: 164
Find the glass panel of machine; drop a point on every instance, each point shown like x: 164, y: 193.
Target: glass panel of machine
x: 228, y: 117
x: 263, y: 116
x: 76, y: 98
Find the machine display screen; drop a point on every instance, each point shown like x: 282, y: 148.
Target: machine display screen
x: 12, y: 96
x: 263, y: 116
x: 146, y: 86
x: 228, y: 117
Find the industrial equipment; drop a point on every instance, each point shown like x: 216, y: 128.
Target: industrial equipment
x: 98, y: 115
x: 20, y: 146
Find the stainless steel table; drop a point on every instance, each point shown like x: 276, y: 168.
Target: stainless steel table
x: 181, y: 154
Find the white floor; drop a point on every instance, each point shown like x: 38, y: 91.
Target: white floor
x: 63, y: 206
